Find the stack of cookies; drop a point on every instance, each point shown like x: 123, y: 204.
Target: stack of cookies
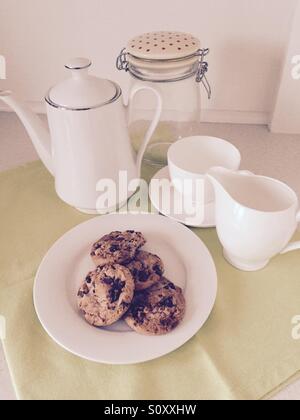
x: 128, y: 283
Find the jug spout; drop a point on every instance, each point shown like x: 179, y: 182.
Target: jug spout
x: 232, y: 187
x: 34, y: 126
x: 217, y: 177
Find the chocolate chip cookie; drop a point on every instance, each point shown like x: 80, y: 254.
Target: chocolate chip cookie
x: 146, y: 269
x: 106, y: 295
x: 117, y: 248
x: 157, y: 310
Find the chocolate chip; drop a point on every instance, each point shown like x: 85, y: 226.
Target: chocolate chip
x: 170, y: 286
x: 93, y: 253
x: 130, y: 231
x: 114, y: 248
x: 108, y: 280
x: 139, y: 314
x: 168, y: 302
x: 85, y: 289
x: 138, y: 308
x: 116, y: 290
x: 157, y: 269
x: 143, y: 276
x: 80, y: 294
x: 88, y: 279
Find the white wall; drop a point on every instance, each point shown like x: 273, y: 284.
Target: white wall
x: 247, y: 40
x: 286, y: 115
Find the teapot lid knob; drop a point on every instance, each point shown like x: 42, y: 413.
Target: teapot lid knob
x: 78, y: 63
x: 82, y: 91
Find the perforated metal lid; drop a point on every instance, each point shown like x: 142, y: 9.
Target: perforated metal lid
x: 165, y: 56
x: 163, y: 45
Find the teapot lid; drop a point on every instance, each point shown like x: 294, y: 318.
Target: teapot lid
x: 81, y: 91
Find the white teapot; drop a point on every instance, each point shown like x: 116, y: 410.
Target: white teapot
x: 88, y: 139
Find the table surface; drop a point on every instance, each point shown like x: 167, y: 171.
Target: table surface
x: 274, y: 155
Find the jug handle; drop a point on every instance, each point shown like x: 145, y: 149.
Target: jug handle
x: 153, y: 124
x: 294, y: 245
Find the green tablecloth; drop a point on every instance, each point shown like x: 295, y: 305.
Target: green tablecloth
x: 245, y: 350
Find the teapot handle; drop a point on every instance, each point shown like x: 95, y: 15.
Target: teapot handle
x: 293, y: 246
x: 153, y: 124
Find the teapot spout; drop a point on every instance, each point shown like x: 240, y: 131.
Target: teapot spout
x: 36, y: 129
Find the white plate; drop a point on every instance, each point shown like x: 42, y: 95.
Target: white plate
x: 205, y: 221
x: 188, y: 264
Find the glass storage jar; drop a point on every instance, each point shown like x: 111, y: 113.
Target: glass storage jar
x: 174, y: 64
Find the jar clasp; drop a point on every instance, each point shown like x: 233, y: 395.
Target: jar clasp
x: 122, y: 63
x: 202, y: 70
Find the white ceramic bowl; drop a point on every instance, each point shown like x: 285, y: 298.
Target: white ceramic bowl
x: 191, y: 158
